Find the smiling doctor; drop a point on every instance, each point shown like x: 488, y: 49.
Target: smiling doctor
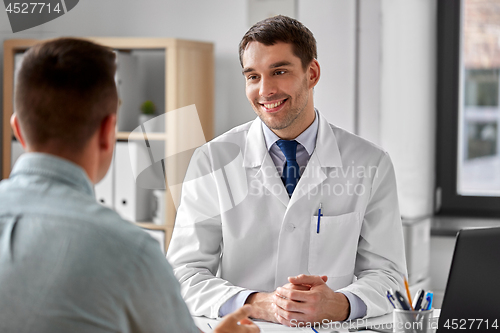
x: 269, y: 247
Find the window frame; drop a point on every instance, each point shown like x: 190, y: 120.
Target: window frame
x: 448, y: 201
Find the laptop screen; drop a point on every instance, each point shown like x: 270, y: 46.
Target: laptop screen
x: 472, y: 298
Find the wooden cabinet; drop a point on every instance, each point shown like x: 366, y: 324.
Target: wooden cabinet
x: 189, y: 79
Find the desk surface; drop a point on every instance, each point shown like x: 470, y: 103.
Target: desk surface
x: 207, y: 325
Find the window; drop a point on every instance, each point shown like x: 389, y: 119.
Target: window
x: 468, y: 138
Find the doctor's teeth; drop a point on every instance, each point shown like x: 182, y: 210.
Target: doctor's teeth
x: 273, y: 105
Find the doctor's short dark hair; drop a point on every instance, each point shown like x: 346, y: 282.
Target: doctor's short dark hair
x: 65, y: 88
x: 284, y: 29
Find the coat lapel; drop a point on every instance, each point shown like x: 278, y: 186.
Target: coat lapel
x: 256, y: 155
x: 326, y: 154
x: 313, y: 175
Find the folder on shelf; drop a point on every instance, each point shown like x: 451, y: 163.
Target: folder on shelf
x: 129, y: 91
x: 104, y: 190
x: 131, y: 201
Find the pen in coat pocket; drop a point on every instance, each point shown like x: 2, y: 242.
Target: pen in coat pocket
x: 319, y: 218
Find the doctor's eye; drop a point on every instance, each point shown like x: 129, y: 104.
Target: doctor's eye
x: 280, y: 72
x: 252, y: 77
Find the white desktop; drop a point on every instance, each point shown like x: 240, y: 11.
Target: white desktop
x: 377, y: 323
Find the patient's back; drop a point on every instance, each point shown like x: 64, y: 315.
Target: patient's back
x: 68, y: 264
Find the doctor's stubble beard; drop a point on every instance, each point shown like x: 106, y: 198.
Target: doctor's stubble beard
x: 292, y: 114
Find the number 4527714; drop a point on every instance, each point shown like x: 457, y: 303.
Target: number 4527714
x: 31, y: 8
x: 468, y: 324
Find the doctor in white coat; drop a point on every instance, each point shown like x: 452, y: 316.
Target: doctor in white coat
x: 247, y: 228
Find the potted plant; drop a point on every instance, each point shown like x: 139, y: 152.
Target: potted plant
x: 148, y: 109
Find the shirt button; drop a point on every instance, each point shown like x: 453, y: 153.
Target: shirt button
x: 290, y: 227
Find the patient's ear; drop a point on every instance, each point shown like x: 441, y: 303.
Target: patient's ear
x: 14, y: 123
x: 104, y: 148
x: 107, y: 133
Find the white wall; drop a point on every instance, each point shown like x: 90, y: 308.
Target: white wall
x: 397, y: 108
x: 369, y: 68
x: 408, y: 102
x: 333, y: 24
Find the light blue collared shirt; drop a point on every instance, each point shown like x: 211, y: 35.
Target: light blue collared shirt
x: 69, y: 264
x: 305, y: 148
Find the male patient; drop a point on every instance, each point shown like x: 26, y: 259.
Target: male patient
x: 68, y: 264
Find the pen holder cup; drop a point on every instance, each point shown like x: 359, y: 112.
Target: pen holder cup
x: 414, y: 321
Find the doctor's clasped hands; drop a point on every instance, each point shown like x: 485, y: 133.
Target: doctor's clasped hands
x: 306, y: 299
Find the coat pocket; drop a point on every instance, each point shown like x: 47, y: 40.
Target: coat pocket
x: 332, y: 251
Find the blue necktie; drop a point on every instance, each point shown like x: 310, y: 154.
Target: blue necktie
x: 291, y: 171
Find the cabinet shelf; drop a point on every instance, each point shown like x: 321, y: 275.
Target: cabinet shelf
x: 139, y: 136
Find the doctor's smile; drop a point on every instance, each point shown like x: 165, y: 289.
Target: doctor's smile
x: 273, y: 106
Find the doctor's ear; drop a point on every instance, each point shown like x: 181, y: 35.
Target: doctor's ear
x: 16, y: 128
x: 314, y: 72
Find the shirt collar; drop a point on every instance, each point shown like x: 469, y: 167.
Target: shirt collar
x: 54, y: 167
x: 327, y: 151
x: 306, y: 138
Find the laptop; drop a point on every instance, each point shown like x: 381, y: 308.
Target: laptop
x: 472, y: 298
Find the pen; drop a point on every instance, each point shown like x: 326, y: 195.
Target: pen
x: 314, y: 330
x: 428, y: 301
x: 408, y: 293
x: 391, y: 298
x: 319, y: 218
x: 417, y: 302
x: 402, y: 301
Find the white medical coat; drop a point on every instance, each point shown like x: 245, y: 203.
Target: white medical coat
x: 236, y: 228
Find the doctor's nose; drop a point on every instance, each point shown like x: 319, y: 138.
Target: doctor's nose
x: 267, y: 87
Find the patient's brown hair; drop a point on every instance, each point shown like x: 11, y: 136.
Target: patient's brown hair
x: 65, y: 88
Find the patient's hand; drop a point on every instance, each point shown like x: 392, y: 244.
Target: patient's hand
x: 238, y: 322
